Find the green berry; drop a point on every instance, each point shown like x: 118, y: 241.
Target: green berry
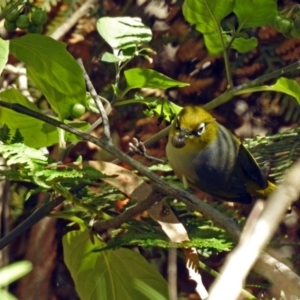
x: 297, y: 23
x: 284, y: 25
x: 10, y: 26
x: 12, y: 16
x: 77, y: 110
x: 23, y: 22
x: 39, y: 17
x: 35, y: 28
x: 295, y: 33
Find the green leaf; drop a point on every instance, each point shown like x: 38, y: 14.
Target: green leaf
x: 123, y: 32
x: 53, y: 70
x: 162, y: 107
x: 109, y: 275
x: 244, y: 45
x: 287, y: 86
x: 110, y: 58
x: 255, y: 13
x: 61, y: 103
x: 13, y: 272
x: 145, y: 78
x: 36, y: 133
x: 4, y: 295
x: 207, y: 16
x: 4, y: 51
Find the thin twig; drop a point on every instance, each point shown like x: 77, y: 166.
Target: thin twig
x: 96, y: 97
x: 255, y: 239
x: 161, y: 185
x: 73, y: 19
x: 36, y: 216
x: 265, y: 264
x: 128, y: 213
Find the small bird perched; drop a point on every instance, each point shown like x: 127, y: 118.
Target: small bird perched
x: 209, y: 157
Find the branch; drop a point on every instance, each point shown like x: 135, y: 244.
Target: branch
x: 255, y: 238
x: 265, y: 263
x: 162, y: 186
x: 128, y: 213
x: 72, y: 21
x: 36, y: 216
x: 98, y: 102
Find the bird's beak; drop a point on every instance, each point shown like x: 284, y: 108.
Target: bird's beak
x: 180, y: 140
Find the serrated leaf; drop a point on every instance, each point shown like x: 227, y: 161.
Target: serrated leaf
x: 21, y: 154
x: 207, y: 16
x: 145, y: 78
x: 123, y: 32
x: 244, y: 45
x: 108, y: 275
x: 36, y: 133
x: 4, y: 51
x: 53, y: 70
x: 255, y: 13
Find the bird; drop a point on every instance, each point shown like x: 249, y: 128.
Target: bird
x: 207, y: 156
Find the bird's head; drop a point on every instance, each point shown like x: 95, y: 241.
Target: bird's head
x: 193, y: 127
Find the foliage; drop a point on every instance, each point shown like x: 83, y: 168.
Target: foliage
x: 59, y: 78
x: 10, y: 274
x: 110, y: 274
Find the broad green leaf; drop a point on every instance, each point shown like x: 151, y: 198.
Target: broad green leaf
x: 4, y: 51
x: 145, y: 78
x: 13, y: 272
x: 207, y: 16
x: 109, y: 275
x: 52, y: 68
x: 244, y: 45
x: 123, y: 32
x: 287, y: 86
x: 255, y: 13
x: 60, y: 102
x: 36, y: 133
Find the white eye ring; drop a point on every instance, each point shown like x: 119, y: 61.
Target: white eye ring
x: 201, y: 129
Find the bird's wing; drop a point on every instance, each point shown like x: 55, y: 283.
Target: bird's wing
x: 250, y: 168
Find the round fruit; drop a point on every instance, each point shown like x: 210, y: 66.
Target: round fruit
x: 10, y: 26
x: 282, y: 24
x: 35, y: 28
x: 297, y: 23
x: 77, y: 110
x: 295, y: 33
x: 39, y: 17
x: 23, y: 22
x: 12, y: 16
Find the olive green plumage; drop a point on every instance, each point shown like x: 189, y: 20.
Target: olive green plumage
x: 207, y: 156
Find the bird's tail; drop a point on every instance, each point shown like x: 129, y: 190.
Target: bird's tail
x: 265, y: 193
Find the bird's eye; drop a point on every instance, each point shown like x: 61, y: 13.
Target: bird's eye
x: 200, y: 130
x: 177, y: 123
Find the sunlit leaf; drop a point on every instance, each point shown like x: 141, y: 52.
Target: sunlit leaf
x: 123, y: 32
x: 207, y: 15
x: 4, y: 51
x: 147, y: 78
x: 112, y: 274
x: 52, y: 69
x: 255, y: 13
